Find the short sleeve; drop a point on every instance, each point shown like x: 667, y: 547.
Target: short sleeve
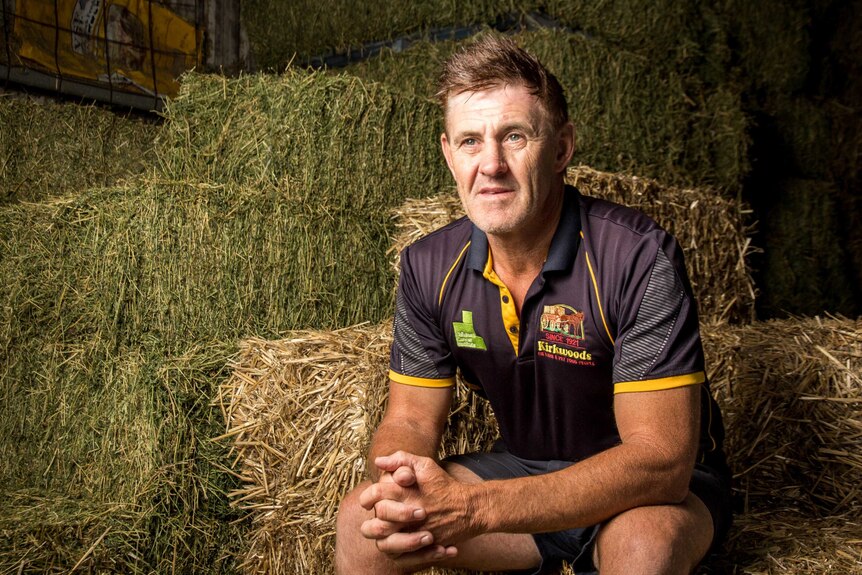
x: 419, y: 355
x: 658, y: 341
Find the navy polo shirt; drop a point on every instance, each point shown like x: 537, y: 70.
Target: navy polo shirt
x: 611, y: 312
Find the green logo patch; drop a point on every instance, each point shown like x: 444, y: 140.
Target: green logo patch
x: 465, y: 336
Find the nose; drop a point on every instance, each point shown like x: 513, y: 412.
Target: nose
x: 493, y: 162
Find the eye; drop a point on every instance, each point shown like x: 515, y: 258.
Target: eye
x: 514, y: 137
x: 469, y: 142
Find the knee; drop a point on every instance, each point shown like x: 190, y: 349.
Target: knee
x: 350, y: 513
x: 644, y: 542
x: 350, y: 547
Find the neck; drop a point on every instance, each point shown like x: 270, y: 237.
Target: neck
x: 522, y: 254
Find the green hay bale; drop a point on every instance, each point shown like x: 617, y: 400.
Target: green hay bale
x: 178, y: 263
x: 327, y: 144
x: 630, y: 114
x: 663, y: 29
x: 109, y: 466
x: 49, y: 149
x: 280, y: 31
x: 819, y: 138
x: 771, y: 42
x: 804, y: 262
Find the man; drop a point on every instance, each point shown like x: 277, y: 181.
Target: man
x: 574, y: 317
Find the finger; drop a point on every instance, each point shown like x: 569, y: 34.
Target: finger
x: 426, y: 556
x: 396, y: 511
x: 404, y: 542
x: 404, y: 476
x: 378, y: 492
x: 376, y: 528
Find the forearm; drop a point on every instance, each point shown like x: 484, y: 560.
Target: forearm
x: 400, y: 435
x: 584, y: 494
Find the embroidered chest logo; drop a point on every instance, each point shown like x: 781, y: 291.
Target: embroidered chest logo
x: 562, y: 335
x: 465, y: 335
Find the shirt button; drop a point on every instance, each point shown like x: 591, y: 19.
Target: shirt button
x: 505, y: 299
x: 513, y: 329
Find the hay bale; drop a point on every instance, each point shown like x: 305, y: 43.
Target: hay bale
x: 281, y: 32
x: 804, y: 261
x: 75, y: 147
x: 771, y: 42
x: 300, y: 412
x: 708, y: 226
x: 631, y: 114
x: 784, y: 541
x: 183, y: 263
x: 332, y: 145
x: 107, y: 463
x: 790, y: 392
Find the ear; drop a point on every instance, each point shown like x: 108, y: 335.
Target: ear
x: 447, y: 151
x: 565, y: 147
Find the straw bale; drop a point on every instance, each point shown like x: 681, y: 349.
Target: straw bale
x: 631, y: 114
x: 300, y: 412
x: 50, y: 149
x: 784, y: 541
x: 792, y: 399
x: 707, y: 225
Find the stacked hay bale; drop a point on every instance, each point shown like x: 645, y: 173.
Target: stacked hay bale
x: 50, y: 149
x: 120, y: 307
x: 631, y: 115
x: 798, y: 64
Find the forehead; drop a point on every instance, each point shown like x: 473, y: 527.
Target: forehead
x: 496, y: 104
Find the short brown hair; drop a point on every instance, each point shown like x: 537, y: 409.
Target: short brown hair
x: 495, y: 60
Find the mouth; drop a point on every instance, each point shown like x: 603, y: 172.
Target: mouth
x: 491, y: 191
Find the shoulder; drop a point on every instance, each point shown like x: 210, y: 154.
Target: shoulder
x: 608, y: 217
x: 623, y: 238
x: 438, y: 247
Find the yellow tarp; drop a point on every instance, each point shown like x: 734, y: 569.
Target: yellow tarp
x: 135, y: 45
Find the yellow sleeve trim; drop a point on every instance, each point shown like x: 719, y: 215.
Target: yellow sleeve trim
x: 661, y: 383
x: 420, y: 381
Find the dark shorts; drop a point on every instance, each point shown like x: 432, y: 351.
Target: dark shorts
x: 575, y: 546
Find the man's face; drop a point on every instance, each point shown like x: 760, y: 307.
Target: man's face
x: 507, y: 159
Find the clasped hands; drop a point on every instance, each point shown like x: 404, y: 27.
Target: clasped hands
x: 420, y: 511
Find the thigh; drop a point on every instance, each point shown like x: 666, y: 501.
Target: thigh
x: 655, y: 539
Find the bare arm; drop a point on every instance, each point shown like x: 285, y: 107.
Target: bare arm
x: 652, y: 465
x: 413, y: 422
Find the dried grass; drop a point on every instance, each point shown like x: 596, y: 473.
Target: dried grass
x: 792, y: 398
x: 50, y: 149
x: 300, y: 414
x: 708, y: 226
